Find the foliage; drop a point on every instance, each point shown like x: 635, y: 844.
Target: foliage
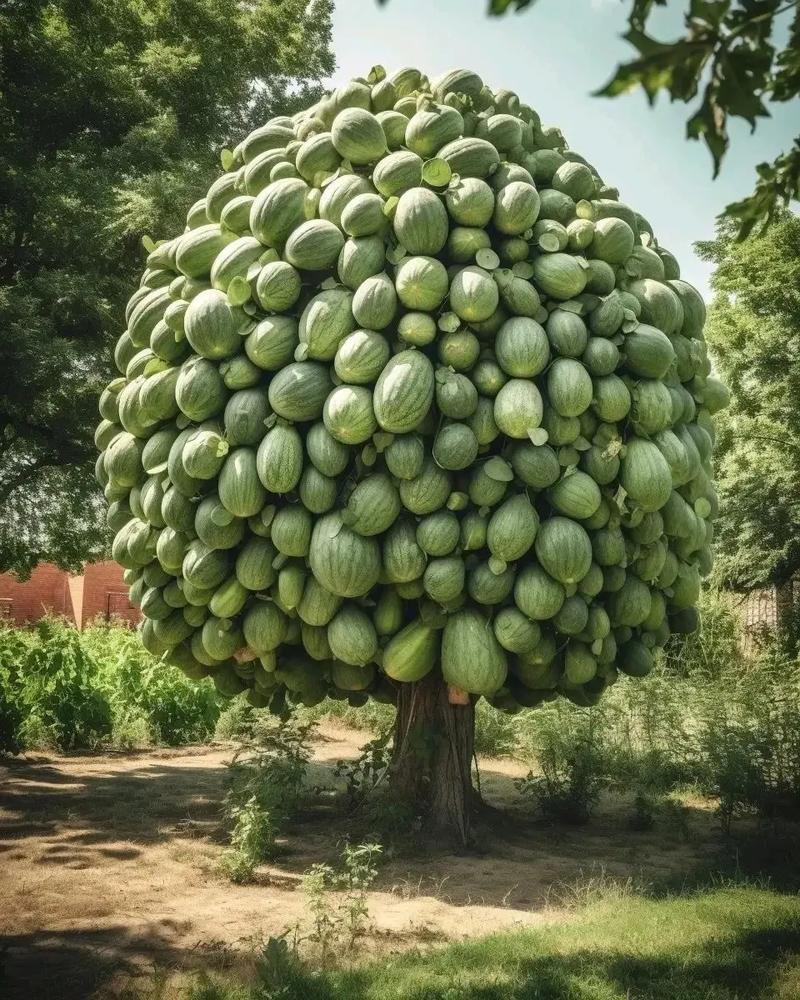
x: 754, y: 332
x: 113, y: 113
x: 175, y: 709
x: 340, y: 919
x: 265, y: 785
x: 363, y: 774
x: 69, y: 690
x: 64, y: 695
x: 568, y: 748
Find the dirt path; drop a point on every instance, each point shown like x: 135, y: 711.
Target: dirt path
x: 108, y: 864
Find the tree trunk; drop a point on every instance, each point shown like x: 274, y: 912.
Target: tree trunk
x: 431, y: 765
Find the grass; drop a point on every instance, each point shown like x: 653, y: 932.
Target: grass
x: 730, y: 941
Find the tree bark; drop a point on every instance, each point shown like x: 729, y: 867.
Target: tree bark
x: 431, y: 767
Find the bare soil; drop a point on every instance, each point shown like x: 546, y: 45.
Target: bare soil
x: 109, y: 867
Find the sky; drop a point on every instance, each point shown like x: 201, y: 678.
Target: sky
x: 554, y: 55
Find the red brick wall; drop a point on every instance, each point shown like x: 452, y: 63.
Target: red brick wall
x: 45, y: 590
x: 48, y: 590
x: 105, y: 594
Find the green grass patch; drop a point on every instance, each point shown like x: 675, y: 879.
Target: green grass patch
x: 729, y: 942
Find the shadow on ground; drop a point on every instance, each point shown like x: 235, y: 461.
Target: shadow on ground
x: 99, y: 871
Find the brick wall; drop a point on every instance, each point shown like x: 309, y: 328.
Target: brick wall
x: 105, y: 594
x: 27, y: 600
x: 99, y: 592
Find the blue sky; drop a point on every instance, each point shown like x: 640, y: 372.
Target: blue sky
x: 554, y: 55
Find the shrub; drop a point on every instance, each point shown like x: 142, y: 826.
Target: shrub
x: 265, y: 785
x: 68, y: 690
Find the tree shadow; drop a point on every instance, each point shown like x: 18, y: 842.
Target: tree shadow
x: 73, y: 964
x: 111, y: 814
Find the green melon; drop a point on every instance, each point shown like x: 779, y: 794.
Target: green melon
x: 404, y: 392
x: 357, y: 136
x: 346, y: 563
x: 352, y: 636
x: 431, y: 128
x: 397, y: 173
x: 516, y: 208
x: 314, y: 245
x: 564, y: 549
x: 279, y: 459
x: 420, y: 221
x: 422, y: 284
x: 411, y: 653
x: 298, y: 391
x: 470, y: 157
x: 473, y: 294
x: 576, y: 496
x: 373, y: 506
x: 645, y: 474
x: 472, y: 658
x: 348, y: 414
x: 537, y: 595
x: 361, y: 357
x: 512, y: 529
x: 569, y: 387
x: 559, y: 275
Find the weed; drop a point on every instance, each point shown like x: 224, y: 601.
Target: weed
x: 266, y: 780
x: 337, y: 898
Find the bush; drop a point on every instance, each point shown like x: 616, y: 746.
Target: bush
x: 62, y: 689
x: 266, y: 781
x: 176, y: 709
x: 570, y: 747
x: 65, y: 696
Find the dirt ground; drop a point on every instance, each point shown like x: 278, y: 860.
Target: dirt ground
x: 109, y: 868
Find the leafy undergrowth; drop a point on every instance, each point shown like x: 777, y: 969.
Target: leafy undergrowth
x: 729, y: 941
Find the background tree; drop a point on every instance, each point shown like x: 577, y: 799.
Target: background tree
x: 113, y: 113
x: 732, y: 56
x: 754, y: 331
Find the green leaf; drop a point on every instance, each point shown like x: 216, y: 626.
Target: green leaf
x: 498, y: 469
x: 522, y: 269
x: 238, y: 291
x: 457, y: 501
x: 148, y: 243
x: 226, y: 159
x: 487, y: 259
x: 448, y: 322
x: 396, y: 253
x: 538, y: 436
x: 497, y: 566
x: 499, y: 7
x: 436, y: 172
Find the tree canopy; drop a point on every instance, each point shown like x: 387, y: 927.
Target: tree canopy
x: 731, y: 56
x: 753, y: 330
x: 113, y: 112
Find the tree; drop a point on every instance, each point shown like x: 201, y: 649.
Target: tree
x: 113, y: 114
x: 415, y: 491
x: 731, y: 52
x: 753, y: 330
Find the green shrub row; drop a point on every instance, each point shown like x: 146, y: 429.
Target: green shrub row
x: 63, y: 689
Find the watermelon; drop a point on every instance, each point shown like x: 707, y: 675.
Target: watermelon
x: 344, y: 562
x: 420, y: 221
x: 403, y: 392
x: 411, y: 653
x: 472, y: 658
